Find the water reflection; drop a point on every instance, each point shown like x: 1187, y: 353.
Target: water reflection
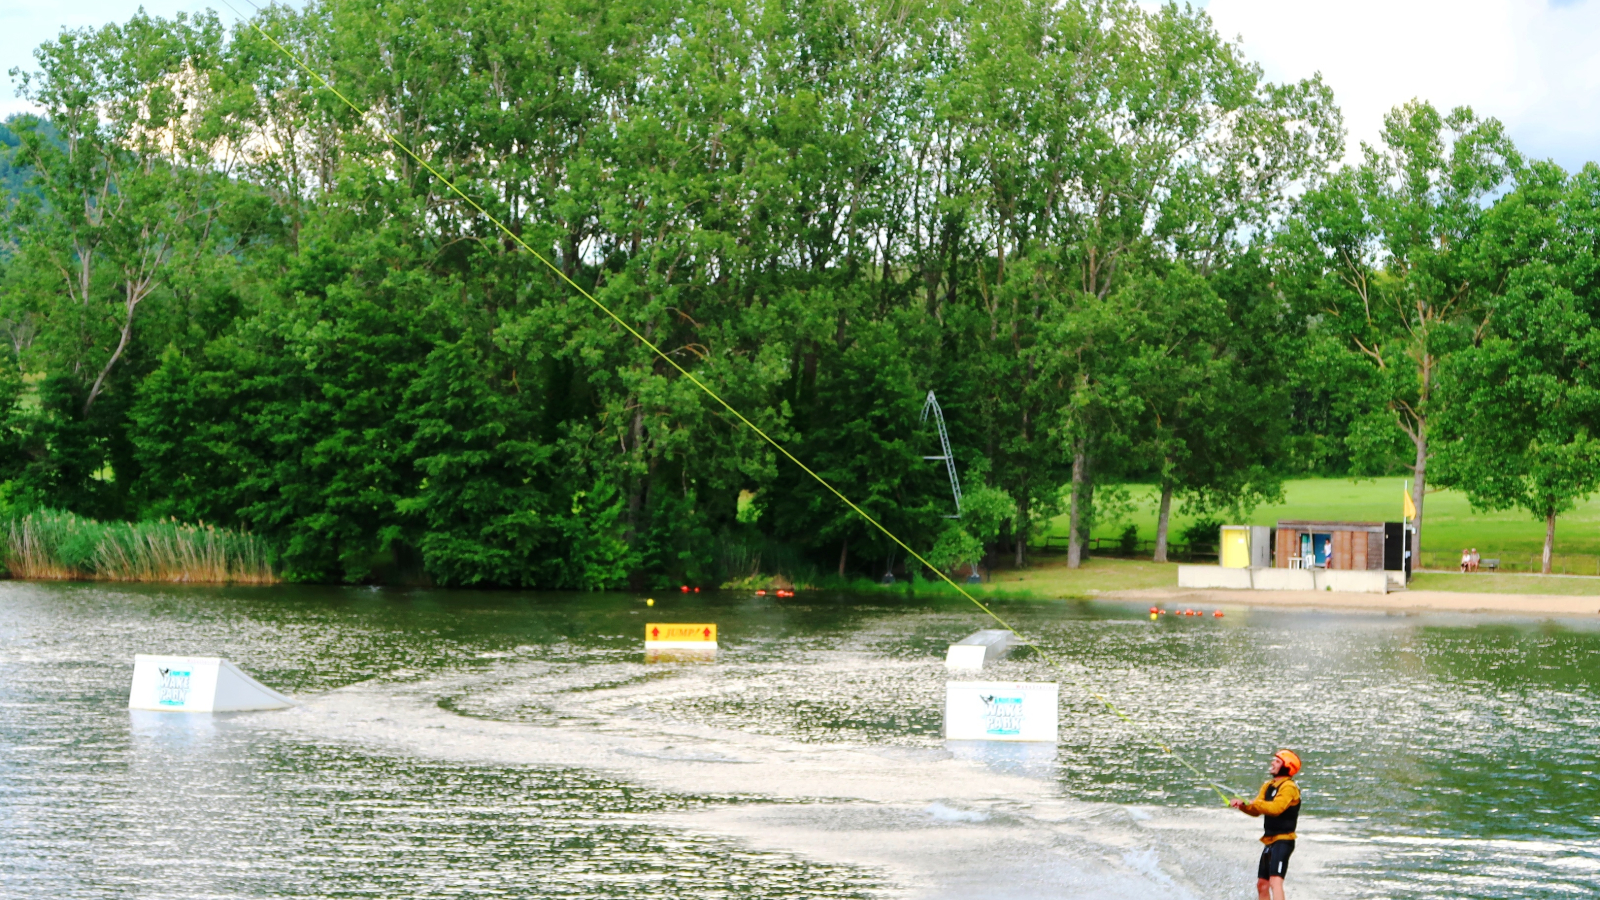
x: 1031, y: 760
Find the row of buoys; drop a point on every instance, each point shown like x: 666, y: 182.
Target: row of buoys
x: 1157, y: 611
x: 761, y: 593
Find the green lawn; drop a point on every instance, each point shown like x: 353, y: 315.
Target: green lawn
x: 1048, y: 577
x: 1495, y: 583
x: 1449, y: 523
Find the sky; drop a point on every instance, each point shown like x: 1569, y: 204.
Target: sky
x: 25, y: 24
x: 1528, y: 63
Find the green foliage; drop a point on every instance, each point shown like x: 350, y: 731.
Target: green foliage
x: 955, y: 547
x: 51, y: 544
x: 1203, y: 532
x: 748, y: 510
x: 1520, y: 430
x: 11, y: 435
x: 16, y: 176
x: 985, y: 512
x: 1093, y: 229
x: 1128, y: 541
x: 1391, y: 261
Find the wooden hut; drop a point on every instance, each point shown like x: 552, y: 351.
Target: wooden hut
x: 1336, y: 545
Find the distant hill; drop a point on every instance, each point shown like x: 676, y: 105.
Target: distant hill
x: 14, y: 178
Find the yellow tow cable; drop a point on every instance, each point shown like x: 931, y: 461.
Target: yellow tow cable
x: 1148, y: 735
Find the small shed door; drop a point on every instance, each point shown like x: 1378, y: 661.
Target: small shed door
x: 1394, y: 546
x: 1236, y: 548
x: 1260, y: 547
x: 1322, y: 545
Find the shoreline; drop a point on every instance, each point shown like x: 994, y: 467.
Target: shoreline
x: 1414, y: 600
x: 1399, y: 601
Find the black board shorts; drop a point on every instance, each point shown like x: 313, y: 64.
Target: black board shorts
x: 1275, y: 859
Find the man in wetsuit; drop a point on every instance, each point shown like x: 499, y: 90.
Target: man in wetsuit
x: 1278, y: 802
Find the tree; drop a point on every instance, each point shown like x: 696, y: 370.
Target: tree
x: 1521, y: 425
x: 120, y: 238
x: 1092, y: 142
x: 1042, y: 211
x: 1388, y: 257
x: 1211, y: 379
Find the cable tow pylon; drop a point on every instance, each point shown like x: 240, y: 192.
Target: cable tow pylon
x: 516, y: 238
x: 932, y: 405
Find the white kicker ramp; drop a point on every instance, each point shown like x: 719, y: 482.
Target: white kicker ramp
x: 198, y: 684
x: 979, y: 649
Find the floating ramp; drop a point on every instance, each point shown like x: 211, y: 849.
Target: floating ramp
x: 198, y: 684
x: 979, y: 649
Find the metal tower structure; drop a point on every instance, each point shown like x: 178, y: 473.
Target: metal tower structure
x: 932, y: 403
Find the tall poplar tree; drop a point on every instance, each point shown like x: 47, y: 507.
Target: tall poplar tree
x: 1388, y: 259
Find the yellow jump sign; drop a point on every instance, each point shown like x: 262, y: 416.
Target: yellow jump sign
x: 677, y: 636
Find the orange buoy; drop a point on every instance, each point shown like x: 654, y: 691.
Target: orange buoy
x: 1218, y: 614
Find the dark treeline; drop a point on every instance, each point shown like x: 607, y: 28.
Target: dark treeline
x: 1111, y: 248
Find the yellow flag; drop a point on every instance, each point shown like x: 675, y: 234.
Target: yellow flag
x: 1410, y: 508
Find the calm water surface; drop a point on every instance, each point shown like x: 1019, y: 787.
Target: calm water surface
x: 1446, y: 755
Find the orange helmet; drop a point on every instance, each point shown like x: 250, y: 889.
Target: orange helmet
x: 1290, y: 760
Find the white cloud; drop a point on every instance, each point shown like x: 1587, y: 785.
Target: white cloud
x: 1529, y: 63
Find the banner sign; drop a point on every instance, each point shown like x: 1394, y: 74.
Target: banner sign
x: 676, y: 636
x: 1001, y: 711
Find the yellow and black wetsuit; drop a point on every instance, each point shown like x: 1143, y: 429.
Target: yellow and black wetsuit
x: 1278, y: 802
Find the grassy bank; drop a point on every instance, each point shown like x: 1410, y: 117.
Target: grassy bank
x: 52, y: 545
x: 1048, y: 578
x: 1514, y: 537
x: 1500, y: 583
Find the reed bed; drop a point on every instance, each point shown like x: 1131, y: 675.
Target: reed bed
x: 52, y: 545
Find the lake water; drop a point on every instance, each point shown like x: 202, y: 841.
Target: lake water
x: 455, y: 744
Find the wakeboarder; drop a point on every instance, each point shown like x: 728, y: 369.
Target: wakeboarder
x: 1278, y: 803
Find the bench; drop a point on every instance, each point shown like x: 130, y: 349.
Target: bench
x: 1490, y: 564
